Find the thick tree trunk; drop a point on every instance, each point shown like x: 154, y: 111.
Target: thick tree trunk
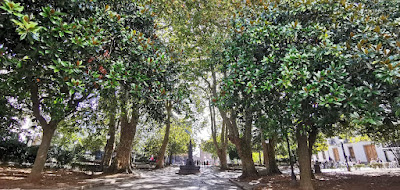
x: 41, y: 156
x: 304, y: 161
x: 269, y: 157
x: 223, y: 158
x: 109, y: 148
x: 223, y: 151
x: 48, y: 133
x: 128, y: 130
x: 243, y: 144
x: 245, y: 153
x: 311, y: 141
x: 161, y: 153
x: 265, y: 152
x: 245, y: 149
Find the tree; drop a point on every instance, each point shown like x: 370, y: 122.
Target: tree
x: 175, y: 96
x: 198, y: 37
x: 290, y: 49
x: 110, y: 107
x: 43, y: 60
x: 180, y: 138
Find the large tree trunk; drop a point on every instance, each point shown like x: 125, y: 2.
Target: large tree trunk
x: 41, y: 156
x: 128, y: 130
x: 224, y: 145
x: 223, y: 159
x: 245, y: 153
x: 304, y: 160
x: 48, y: 133
x: 243, y: 144
x: 109, y: 148
x: 161, y: 153
x: 265, y: 152
x: 269, y: 157
x: 311, y: 141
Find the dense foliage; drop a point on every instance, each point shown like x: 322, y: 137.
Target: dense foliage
x: 272, y: 72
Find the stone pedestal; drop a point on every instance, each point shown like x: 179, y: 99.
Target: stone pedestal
x: 190, y: 167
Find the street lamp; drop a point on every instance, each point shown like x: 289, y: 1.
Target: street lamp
x: 344, y: 154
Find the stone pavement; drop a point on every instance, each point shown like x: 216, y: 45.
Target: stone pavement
x: 167, y: 179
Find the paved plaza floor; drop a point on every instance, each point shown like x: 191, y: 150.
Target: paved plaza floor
x: 208, y: 178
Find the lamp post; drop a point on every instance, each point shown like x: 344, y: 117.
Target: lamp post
x: 344, y: 154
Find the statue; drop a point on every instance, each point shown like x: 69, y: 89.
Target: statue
x: 190, y: 167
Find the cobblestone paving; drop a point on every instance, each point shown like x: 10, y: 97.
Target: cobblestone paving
x: 208, y: 179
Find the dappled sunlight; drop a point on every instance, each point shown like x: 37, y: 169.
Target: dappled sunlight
x: 168, y: 179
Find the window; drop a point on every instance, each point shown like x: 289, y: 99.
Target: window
x: 352, y: 155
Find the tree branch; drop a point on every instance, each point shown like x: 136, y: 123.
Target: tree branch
x: 36, y: 105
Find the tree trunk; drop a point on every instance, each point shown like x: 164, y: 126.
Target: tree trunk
x: 245, y: 153
x: 311, y: 141
x: 109, y: 148
x: 48, y: 132
x: 304, y: 161
x: 128, y: 130
x: 170, y: 159
x: 223, y: 159
x: 269, y: 157
x: 223, y: 151
x: 161, y: 153
x: 245, y: 149
x: 41, y: 156
x: 243, y: 144
x: 265, y: 152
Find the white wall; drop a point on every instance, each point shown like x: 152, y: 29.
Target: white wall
x: 358, y: 152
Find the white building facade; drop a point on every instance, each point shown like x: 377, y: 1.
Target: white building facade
x: 359, y: 152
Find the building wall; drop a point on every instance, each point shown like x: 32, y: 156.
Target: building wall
x: 358, y: 148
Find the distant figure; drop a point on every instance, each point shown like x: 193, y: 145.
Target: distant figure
x: 204, y: 163
x: 207, y: 162
x: 151, y: 158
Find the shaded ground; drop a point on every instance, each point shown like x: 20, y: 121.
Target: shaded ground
x: 209, y: 178
x: 387, y: 179
x: 167, y: 179
x: 12, y: 177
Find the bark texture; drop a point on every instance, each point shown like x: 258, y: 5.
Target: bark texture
x: 245, y: 153
x: 161, y: 153
x: 269, y: 156
x: 312, y: 137
x: 48, y: 132
x: 128, y: 130
x: 41, y: 156
x: 304, y: 161
x: 109, y: 148
x: 222, y: 146
x: 243, y: 143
